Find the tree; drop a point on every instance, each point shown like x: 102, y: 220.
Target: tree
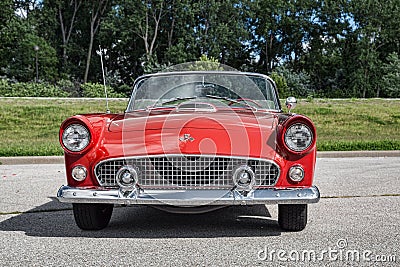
x: 220, y: 31
x: 23, y: 67
x: 148, y: 27
x: 391, y: 79
x: 17, y: 41
x: 298, y: 84
x: 205, y: 63
x: 335, y: 48
x: 9, y: 29
x: 96, y: 11
x: 67, y: 13
x: 377, y: 35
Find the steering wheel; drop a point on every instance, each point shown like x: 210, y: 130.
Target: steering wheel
x: 245, y: 99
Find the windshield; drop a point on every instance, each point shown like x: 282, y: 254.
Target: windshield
x: 217, y: 88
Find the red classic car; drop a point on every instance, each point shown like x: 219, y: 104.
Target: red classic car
x: 192, y: 141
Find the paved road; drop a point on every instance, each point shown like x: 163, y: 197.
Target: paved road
x: 359, y: 214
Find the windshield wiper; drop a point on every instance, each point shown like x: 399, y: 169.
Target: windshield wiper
x: 178, y: 99
x: 231, y: 101
x: 223, y: 98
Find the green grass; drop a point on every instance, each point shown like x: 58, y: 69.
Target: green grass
x: 354, y: 124
x: 29, y: 127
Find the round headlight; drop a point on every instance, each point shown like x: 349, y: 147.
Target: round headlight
x: 76, y: 137
x: 298, y: 137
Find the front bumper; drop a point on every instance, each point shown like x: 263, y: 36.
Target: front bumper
x: 189, y: 197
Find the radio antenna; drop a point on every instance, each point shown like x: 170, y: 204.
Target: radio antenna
x: 100, y: 53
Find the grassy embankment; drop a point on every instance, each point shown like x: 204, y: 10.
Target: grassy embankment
x: 354, y: 124
x: 30, y: 126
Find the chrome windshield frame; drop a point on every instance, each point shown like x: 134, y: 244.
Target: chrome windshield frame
x: 143, y: 78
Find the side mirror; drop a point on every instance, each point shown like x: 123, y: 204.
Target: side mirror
x: 290, y: 103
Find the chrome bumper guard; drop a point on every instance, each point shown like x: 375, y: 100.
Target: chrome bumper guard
x: 189, y: 197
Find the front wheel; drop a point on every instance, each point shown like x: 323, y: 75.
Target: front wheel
x: 92, y: 216
x: 292, y: 217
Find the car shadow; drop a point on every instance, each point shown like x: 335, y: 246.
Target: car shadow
x: 56, y: 219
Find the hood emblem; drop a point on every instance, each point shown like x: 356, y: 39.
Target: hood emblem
x: 185, y: 138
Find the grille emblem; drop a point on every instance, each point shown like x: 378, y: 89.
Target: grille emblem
x: 185, y: 138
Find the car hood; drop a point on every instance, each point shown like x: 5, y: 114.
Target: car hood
x: 231, y: 133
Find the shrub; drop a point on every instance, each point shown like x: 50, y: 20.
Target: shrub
x: 125, y: 90
x: 72, y: 88
x: 63, y: 88
x: 4, y: 87
x: 96, y: 90
x: 30, y: 90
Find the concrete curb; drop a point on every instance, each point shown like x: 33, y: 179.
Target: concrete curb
x: 356, y: 154
x: 31, y: 160
x: 324, y: 154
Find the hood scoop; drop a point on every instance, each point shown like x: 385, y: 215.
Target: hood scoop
x: 196, y: 106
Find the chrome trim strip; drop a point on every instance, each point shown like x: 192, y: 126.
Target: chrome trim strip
x: 189, y: 155
x: 309, y: 195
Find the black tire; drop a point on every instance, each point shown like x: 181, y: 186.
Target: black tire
x: 92, y: 216
x: 292, y: 217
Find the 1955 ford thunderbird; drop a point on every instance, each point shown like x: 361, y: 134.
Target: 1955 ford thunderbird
x: 192, y: 140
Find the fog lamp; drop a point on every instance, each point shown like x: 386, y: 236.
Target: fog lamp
x: 79, y: 173
x: 296, y: 173
x: 244, y: 178
x: 127, y: 177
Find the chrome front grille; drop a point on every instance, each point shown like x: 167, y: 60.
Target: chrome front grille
x: 186, y: 171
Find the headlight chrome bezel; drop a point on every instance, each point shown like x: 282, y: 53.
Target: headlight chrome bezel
x: 76, y: 131
x: 291, y: 145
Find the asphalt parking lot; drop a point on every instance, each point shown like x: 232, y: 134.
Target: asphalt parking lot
x: 356, y: 223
